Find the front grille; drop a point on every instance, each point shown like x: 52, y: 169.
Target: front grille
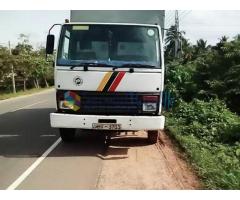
x: 110, y: 103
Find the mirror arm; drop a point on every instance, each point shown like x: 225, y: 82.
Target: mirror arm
x: 49, y: 31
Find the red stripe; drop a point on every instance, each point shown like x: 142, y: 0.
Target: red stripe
x: 116, y: 81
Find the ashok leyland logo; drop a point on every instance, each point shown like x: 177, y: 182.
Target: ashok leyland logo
x: 77, y: 80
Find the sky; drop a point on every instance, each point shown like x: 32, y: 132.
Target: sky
x: 35, y: 24
x: 208, y: 25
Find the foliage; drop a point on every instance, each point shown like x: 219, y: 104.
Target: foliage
x: 179, y: 80
x: 205, y: 82
x: 172, y: 37
x: 5, y: 61
x: 207, y: 72
x: 29, y: 66
x: 210, y: 135
x: 210, y: 121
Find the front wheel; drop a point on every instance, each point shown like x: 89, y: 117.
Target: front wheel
x: 152, y: 137
x: 67, y: 134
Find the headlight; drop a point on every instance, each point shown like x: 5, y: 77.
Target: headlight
x: 68, y: 100
x: 64, y: 105
x: 149, y: 107
x: 150, y: 103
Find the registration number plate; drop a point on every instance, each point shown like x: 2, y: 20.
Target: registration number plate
x: 107, y: 126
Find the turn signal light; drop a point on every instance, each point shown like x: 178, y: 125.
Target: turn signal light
x: 150, y: 98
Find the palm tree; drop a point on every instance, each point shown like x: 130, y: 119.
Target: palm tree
x: 201, y: 46
x: 223, y: 39
x: 187, y: 49
x: 173, y: 40
x: 220, y: 44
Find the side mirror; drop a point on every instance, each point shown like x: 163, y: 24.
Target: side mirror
x: 50, y: 44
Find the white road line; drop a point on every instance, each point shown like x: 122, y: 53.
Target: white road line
x: 28, y: 105
x: 3, y: 136
x: 47, y: 135
x: 25, y: 174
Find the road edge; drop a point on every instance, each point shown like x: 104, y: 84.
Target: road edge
x: 27, y: 95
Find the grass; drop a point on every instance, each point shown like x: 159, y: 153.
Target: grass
x: 21, y: 93
x: 216, y: 164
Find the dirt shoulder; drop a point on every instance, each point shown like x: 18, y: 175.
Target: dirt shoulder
x: 130, y: 163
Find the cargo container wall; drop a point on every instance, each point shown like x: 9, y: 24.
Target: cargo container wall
x: 119, y: 16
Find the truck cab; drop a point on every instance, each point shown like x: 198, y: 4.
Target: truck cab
x: 108, y: 76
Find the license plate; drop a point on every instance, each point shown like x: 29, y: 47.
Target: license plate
x: 106, y: 126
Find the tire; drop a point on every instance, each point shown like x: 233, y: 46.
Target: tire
x: 67, y: 134
x: 152, y: 137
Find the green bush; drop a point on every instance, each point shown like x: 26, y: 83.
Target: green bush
x: 209, y: 134
x: 205, y: 128
x: 179, y: 80
x: 211, y: 121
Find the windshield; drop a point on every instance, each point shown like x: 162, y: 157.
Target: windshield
x: 116, y: 45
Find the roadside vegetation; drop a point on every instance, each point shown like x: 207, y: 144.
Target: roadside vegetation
x: 5, y: 95
x: 205, y: 83
x: 22, y: 67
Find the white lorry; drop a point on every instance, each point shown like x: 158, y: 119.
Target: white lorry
x: 109, y: 72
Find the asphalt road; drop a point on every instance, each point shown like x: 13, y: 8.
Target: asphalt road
x: 25, y: 134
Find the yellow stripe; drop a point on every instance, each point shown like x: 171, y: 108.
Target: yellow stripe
x: 104, y: 81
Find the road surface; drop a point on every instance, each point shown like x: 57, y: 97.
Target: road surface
x: 32, y: 156
x: 25, y: 134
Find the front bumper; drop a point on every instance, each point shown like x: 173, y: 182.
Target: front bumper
x: 60, y: 120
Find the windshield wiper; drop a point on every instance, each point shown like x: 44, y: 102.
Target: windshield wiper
x: 136, y: 65
x: 132, y: 65
x: 129, y: 65
x: 86, y: 65
x: 131, y: 69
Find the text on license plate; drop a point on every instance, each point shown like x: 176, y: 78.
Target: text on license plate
x: 106, y: 126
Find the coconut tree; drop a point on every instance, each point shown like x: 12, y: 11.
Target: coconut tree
x: 173, y: 41
x: 188, y: 50
x: 201, y: 46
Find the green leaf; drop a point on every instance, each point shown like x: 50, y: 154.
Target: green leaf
x: 238, y: 152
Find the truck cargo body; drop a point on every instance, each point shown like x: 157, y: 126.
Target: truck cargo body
x: 120, y: 16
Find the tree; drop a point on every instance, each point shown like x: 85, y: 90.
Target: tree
x: 24, y: 65
x: 23, y: 56
x: 188, y: 51
x: 172, y: 36
x: 30, y: 67
x: 23, y: 46
x: 180, y: 80
x: 232, y: 50
x: 232, y: 81
x: 220, y: 44
x: 4, y: 55
x: 41, y: 69
x: 204, y: 71
x: 201, y: 46
x: 7, y: 73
